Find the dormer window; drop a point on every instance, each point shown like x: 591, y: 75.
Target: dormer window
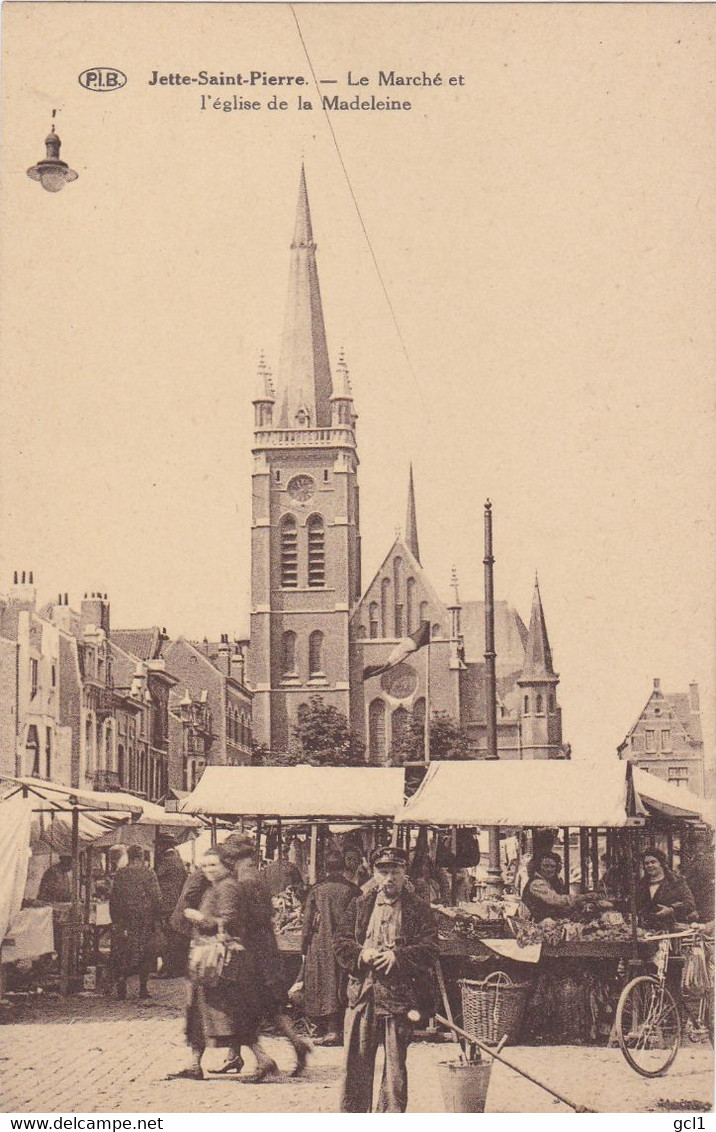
x: 303, y: 417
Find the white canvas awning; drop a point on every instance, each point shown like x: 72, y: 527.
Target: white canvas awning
x: 295, y: 792
x: 541, y: 793
x: 152, y: 814
x: 54, y: 796
x: 671, y: 801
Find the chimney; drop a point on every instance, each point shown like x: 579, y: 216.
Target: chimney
x: 62, y: 614
x: 657, y: 685
x: 95, y: 611
x: 238, y: 664
x: 694, y: 702
x: 224, y: 658
x: 23, y: 594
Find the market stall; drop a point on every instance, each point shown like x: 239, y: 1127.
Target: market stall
x: 603, y: 816
x: 56, y: 815
x: 312, y: 804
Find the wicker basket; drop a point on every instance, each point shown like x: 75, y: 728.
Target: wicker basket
x: 492, y: 1008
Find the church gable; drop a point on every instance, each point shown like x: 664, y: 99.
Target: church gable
x: 398, y: 599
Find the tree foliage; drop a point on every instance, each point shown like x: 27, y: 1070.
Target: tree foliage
x: 321, y: 737
x: 447, y: 739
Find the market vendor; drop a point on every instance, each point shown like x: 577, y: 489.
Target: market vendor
x: 544, y: 896
x: 56, y: 883
x: 662, y: 898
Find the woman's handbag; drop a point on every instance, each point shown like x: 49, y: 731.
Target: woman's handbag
x: 207, y: 959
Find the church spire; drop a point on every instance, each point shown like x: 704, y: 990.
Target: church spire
x: 304, y: 374
x: 411, y: 522
x: 538, y: 654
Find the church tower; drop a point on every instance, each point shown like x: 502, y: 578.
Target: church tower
x: 541, y: 717
x: 305, y: 547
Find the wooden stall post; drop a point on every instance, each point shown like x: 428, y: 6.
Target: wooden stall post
x: 213, y: 833
x: 632, y: 858
x: 565, y: 838
x: 279, y: 839
x: 583, y: 860
x: 257, y: 850
x: 313, y: 855
x: 594, y: 836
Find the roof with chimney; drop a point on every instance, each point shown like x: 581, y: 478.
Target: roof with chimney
x: 680, y: 710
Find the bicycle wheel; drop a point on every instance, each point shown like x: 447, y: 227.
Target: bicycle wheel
x: 648, y: 1026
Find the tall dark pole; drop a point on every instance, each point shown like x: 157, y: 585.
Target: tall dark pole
x: 494, y: 872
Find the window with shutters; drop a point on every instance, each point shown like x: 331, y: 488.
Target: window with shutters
x: 32, y: 744
x: 315, y: 654
x: 316, y: 553
x: 376, y: 731
x: 289, y: 553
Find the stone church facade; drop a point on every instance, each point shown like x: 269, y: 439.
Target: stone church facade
x: 313, y: 628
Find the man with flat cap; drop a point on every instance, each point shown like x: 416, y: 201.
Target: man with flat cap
x: 388, y: 944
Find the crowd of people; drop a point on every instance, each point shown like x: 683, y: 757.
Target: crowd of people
x: 366, y: 973
x: 369, y: 945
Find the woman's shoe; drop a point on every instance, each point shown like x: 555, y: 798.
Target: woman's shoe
x: 233, y: 1065
x: 303, y: 1048
x: 268, y: 1069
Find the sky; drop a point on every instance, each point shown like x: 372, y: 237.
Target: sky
x: 544, y: 232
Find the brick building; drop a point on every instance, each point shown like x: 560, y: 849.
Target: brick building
x: 667, y: 739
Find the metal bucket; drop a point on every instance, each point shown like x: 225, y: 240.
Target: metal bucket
x: 464, y: 1085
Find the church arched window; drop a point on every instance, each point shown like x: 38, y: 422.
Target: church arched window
x: 385, y: 607
x: 376, y: 731
x: 424, y: 611
x: 361, y: 633
x: 315, y: 654
x: 539, y: 704
x: 288, y: 653
x: 410, y: 605
x: 527, y: 705
x: 398, y: 728
x: 289, y: 552
x: 316, y: 553
x: 373, y: 620
x: 437, y: 631
x: 419, y: 711
x: 398, y: 596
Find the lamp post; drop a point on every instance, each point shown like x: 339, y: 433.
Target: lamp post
x: 494, y: 871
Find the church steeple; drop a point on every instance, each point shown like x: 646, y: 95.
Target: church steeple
x: 411, y: 522
x: 538, y: 654
x: 304, y: 374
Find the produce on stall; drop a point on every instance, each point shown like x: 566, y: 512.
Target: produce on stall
x: 613, y: 807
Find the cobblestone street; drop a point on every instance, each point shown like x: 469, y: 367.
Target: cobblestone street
x: 92, y: 1054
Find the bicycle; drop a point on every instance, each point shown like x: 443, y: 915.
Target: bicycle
x: 652, y: 1016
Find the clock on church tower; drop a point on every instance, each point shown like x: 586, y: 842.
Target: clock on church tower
x: 301, y: 489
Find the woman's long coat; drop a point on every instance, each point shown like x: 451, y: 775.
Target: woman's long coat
x: 227, y: 1014
x: 324, y: 983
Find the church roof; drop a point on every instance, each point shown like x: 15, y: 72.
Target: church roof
x: 510, y: 635
x: 304, y: 375
x: 411, y: 520
x: 538, y: 654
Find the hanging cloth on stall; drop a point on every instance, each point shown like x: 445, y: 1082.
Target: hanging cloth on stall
x: 15, y: 817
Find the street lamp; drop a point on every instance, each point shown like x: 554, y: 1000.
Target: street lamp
x: 51, y: 172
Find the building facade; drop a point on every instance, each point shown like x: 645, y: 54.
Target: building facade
x: 666, y: 738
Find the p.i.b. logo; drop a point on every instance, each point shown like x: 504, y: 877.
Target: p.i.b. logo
x: 102, y: 79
